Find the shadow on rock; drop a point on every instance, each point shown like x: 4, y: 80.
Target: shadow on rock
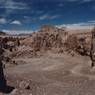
x: 6, y: 89
x: 3, y: 85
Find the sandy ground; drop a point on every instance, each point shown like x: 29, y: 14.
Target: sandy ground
x: 55, y: 74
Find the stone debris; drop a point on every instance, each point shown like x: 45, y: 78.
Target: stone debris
x: 14, y: 92
x: 24, y: 85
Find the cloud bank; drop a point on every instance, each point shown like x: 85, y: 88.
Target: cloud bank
x: 75, y: 26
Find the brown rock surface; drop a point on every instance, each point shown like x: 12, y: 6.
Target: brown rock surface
x: 61, y: 69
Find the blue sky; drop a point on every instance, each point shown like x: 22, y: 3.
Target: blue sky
x: 31, y: 14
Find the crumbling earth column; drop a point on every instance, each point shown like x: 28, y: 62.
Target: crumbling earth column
x: 92, y: 52
x: 2, y: 78
x: 3, y: 84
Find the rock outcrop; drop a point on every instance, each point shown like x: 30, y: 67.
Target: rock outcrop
x: 46, y: 38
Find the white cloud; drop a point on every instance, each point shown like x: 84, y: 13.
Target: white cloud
x: 84, y: 25
x: 18, y: 31
x: 44, y: 17
x: 47, y: 16
x: 16, y: 22
x: 3, y: 21
x: 10, y: 4
x: 55, y: 16
x: 15, y: 5
x: 92, y: 21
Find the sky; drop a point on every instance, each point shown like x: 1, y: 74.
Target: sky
x: 26, y: 15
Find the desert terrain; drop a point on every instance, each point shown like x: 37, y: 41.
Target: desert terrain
x: 51, y: 61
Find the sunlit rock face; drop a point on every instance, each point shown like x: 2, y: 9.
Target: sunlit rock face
x: 48, y: 37
x: 51, y: 28
x: 47, y: 28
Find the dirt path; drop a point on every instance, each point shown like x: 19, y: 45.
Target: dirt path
x: 56, y: 74
x: 77, y: 70
x: 49, y: 64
